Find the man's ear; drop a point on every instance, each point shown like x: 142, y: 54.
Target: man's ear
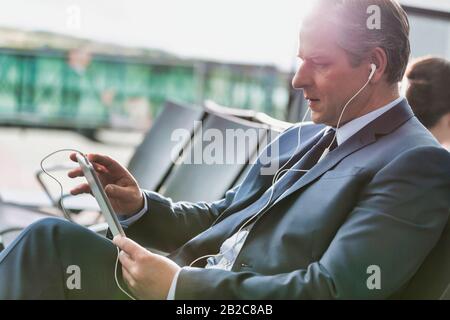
x: 379, y: 58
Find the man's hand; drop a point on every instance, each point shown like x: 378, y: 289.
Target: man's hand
x: 148, y: 275
x: 120, y: 186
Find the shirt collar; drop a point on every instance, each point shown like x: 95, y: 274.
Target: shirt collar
x: 350, y: 128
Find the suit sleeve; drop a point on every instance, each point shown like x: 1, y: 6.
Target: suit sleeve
x: 397, y: 221
x: 167, y: 225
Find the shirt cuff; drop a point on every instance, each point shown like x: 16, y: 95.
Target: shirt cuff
x: 173, y: 287
x: 135, y: 217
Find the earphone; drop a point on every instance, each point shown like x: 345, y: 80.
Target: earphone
x: 373, y: 68
x: 61, y: 198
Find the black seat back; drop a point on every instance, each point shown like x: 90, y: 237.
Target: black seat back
x: 152, y: 159
x: 208, y: 181
x: 271, y: 135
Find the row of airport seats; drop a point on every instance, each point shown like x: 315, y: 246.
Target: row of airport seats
x: 193, y: 177
x: 179, y: 135
x: 153, y: 166
x: 170, y: 161
x: 176, y: 136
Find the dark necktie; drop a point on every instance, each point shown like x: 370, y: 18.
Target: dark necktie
x: 309, y: 160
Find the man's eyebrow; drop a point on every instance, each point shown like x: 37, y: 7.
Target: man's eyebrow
x: 316, y: 55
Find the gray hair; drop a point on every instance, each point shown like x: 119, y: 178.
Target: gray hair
x: 349, y: 18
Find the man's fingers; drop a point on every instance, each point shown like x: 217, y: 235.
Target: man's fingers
x: 77, y: 172
x: 83, y: 188
x: 73, y: 157
x: 118, y: 192
x: 105, y: 161
x: 99, y: 168
x: 129, y: 246
x: 93, y: 159
x: 125, y: 260
x: 129, y: 280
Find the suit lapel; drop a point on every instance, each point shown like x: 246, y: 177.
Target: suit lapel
x: 382, y: 125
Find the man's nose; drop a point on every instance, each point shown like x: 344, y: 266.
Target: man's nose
x: 302, y: 78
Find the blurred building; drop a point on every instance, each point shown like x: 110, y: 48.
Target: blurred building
x: 430, y: 27
x: 57, y: 81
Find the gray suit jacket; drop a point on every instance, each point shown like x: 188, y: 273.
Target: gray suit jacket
x: 380, y: 199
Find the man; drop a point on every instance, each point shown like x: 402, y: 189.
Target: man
x: 428, y: 94
x: 365, y: 201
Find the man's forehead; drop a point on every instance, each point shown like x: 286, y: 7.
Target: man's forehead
x: 317, y: 39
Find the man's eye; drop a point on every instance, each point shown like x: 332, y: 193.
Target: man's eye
x: 321, y: 63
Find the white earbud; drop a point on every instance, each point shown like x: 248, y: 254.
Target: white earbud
x: 374, y: 68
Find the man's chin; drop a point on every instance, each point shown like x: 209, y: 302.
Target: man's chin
x: 316, y: 117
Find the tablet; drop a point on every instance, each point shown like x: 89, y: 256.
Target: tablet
x: 100, y: 195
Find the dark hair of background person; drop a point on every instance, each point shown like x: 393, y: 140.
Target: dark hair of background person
x: 428, y: 89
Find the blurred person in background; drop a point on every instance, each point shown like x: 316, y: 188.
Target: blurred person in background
x: 429, y: 95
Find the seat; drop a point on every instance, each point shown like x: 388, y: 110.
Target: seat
x: 217, y: 109
x: 271, y: 135
x: 250, y: 115
x: 209, y: 180
x: 152, y: 158
x: 150, y: 164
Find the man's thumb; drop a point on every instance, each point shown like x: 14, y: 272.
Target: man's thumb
x: 115, y: 191
x: 110, y: 190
